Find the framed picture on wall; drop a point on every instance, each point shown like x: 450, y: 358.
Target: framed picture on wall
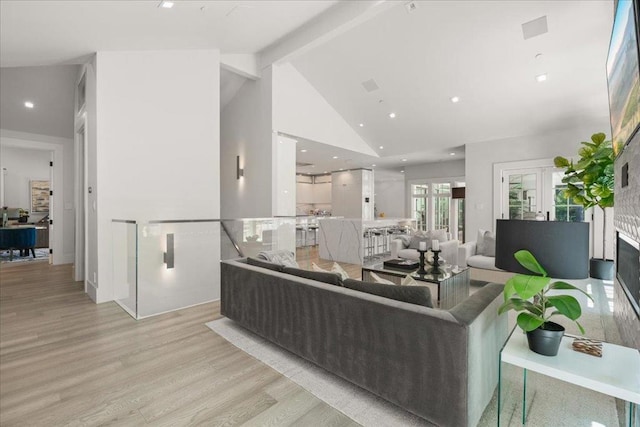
x: 39, y: 196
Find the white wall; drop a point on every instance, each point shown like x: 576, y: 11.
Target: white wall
x: 454, y: 168
x: 246, y: 130
x: 299, y: 109
x: 284, y: 176
x: 348, y: 192
x: 390, y: 195
x: 157, y: 142
x: 21, y: 167
x: 480, y: 158
x: 62, y: 231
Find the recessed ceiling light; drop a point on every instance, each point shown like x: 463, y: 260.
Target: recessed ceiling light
x: 381, y: 147
x: 538, y: 55
x: 341, y: 169
x: 303, y: 150
x: 455, y: 99
x: 335, y: 157
x: 373, y: 166
x: 165, y: 4
x: 361, y: 125
x: 541, y: 77
x: 28, y: 104
x: 392, y: 115
x: 325, y: 172
x: 404, y: 160
x: 452, y: 154
x: 402, y: 171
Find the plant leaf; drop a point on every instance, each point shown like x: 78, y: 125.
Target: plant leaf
x: 580, y: 327
x: 566, y: 304
x: 598, y: 138
x: 561, y: 162
x: 509, y: 290
x: 529, y: 322
x: 565, y: 285
x: 528, y: 261
x: 515, y: 304
x: 527, y: 286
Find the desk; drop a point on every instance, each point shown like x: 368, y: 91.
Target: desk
x: 616, y: 373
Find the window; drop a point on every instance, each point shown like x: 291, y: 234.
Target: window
x: 419, y: 205
x: 565, y: 209
x: 433, y: 208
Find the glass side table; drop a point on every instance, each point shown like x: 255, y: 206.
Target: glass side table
x: 616, y: 373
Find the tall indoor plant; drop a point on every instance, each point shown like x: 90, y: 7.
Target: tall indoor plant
x: 590, y: 183
x: 529, y: 295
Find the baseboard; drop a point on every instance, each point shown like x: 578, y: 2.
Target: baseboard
x: 92, y: 291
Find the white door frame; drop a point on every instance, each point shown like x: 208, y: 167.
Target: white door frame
x: 80, y: 191
x: 46, y: 143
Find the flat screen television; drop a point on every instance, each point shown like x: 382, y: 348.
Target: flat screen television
x: 623, y: 75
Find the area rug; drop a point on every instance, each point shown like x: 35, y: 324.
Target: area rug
x: 358, y: 404
x: 41, y: 255
x: 568, y: 405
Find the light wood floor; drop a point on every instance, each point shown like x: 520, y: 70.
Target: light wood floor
x: 67, y: 361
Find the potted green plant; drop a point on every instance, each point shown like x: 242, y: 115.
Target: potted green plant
x: 590, y: 183
x: 529, y: 295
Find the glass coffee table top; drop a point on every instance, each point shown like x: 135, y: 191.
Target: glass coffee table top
x: 445, y: 272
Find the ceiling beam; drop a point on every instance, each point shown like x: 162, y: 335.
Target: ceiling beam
x: 244, y: 64
x: 329, y: 24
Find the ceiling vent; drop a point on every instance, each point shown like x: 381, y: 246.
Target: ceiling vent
x: 535, y: 28
x: 370, y: 85
x: 411, y: 6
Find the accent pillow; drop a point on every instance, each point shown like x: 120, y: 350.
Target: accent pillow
x: 330, y: 278
x: 480, y: 241
x: 406, y: 239
x: 420, y: 295
x: 281, y: 256
x: 439, y: 235
x: 378, y: 279
x: 489, y: 244
x: 335, y: 268
x: 415, y: 242
x: 264, y: 264
x: 409, y: 281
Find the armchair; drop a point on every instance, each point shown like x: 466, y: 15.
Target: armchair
x: 449, y: 249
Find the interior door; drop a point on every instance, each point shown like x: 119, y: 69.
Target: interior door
x: 521, y: 193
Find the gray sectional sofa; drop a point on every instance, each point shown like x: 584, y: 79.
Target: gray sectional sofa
x: 440, y: 365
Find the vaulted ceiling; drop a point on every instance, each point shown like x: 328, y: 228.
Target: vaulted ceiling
x: 413, y: 56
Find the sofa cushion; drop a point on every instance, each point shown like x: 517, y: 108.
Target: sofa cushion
x: 420, y: 295
x: 483, y: 262
x: 330, y: 278
x: 264, y: 264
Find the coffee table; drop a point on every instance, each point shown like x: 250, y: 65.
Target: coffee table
x: 451, y: 286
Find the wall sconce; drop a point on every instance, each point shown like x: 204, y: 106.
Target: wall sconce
x: 169, y: 255
x: 239, y: 170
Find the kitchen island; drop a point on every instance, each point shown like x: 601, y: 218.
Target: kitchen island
x: 357, y: 241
